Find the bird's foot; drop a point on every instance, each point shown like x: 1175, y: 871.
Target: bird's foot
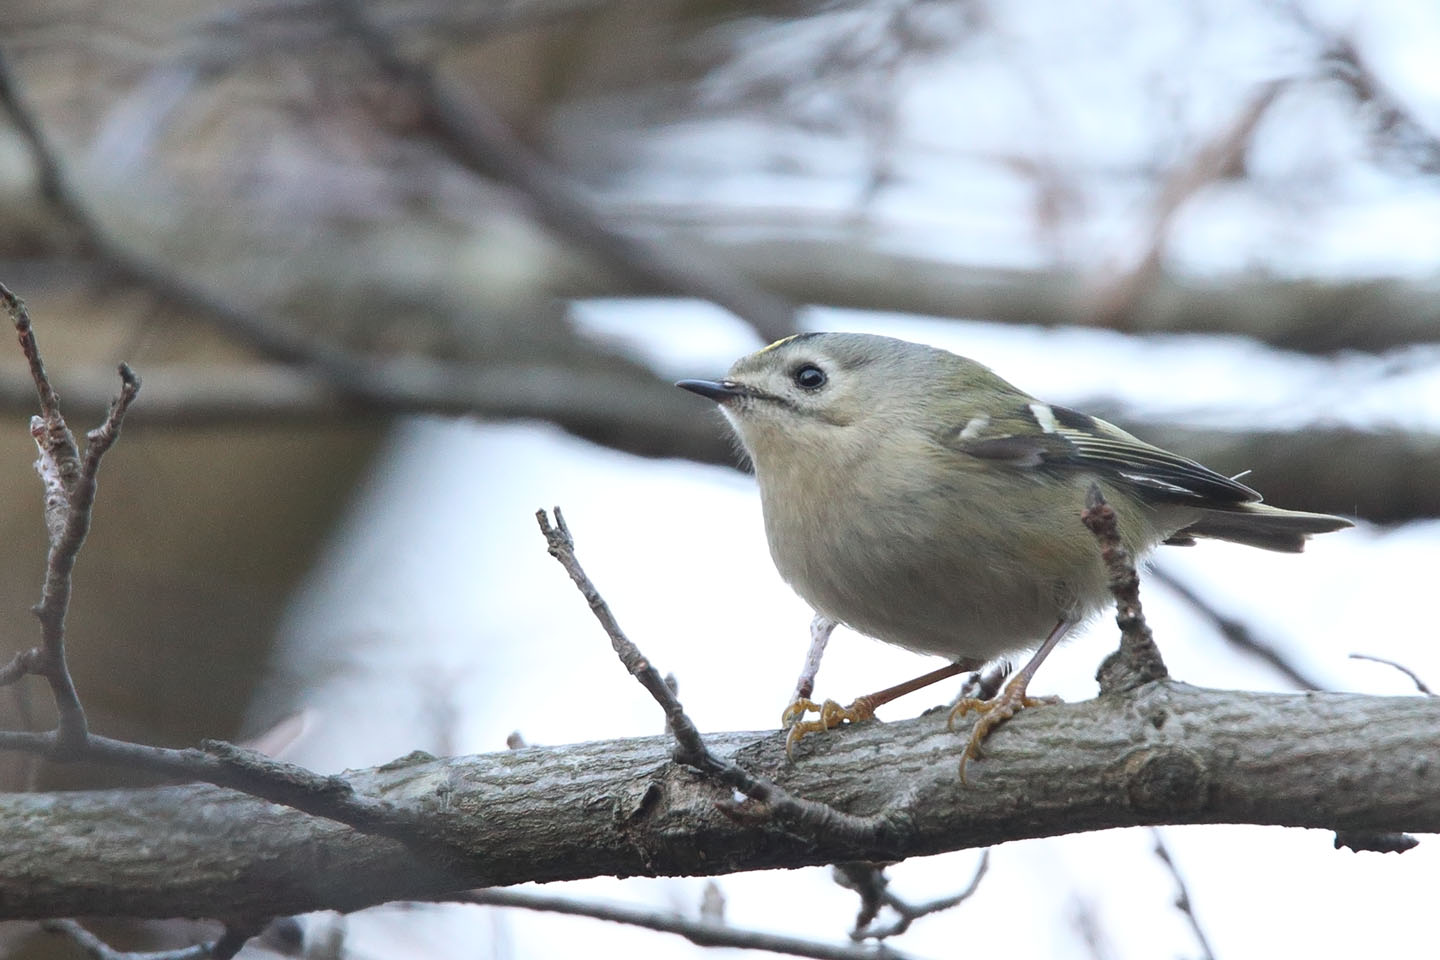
x: 831, y: 716
x: 992, y: 713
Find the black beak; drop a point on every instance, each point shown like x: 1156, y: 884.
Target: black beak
x: 720, y: 391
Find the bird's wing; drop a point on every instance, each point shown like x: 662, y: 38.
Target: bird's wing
x: 1037, y: 435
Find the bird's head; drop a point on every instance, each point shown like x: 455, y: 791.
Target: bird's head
x: 830, y: 396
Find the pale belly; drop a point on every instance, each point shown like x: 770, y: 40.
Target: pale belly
x: 886, y: 571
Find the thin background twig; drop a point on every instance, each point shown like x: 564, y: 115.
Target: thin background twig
x: 227, y: 946
x: 1420, y: 685
x: 1237, y: 634
x: 1182, y: 896
x: 702, y: 932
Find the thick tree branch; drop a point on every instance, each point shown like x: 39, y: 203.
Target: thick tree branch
x: 1169, y: 753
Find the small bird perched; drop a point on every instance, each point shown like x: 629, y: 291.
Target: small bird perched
x: 917, y: 497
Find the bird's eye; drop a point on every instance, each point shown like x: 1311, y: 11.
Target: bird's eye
x: 809, y: 376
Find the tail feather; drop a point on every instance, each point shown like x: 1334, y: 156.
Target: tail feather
x: 1263, y: 526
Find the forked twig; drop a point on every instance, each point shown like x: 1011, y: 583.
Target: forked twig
x: 865, y: 832
x: 69, y: 479
x: 874, y: 889
x: 69, y: 482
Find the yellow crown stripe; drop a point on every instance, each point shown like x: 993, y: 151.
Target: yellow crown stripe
x: 778, y: 343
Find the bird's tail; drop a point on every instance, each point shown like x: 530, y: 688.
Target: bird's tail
x: 1263, y: 526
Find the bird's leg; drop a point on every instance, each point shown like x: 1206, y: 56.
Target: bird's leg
x: 1009, y: 701
x: 820, y: 629
x: 863, y: 708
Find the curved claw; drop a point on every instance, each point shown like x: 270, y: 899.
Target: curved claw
x: 797, y: 710
x: 831, y: 713
x: 992, y: 713
x: 799, y: 730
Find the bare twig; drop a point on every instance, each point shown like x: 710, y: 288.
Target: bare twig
x: 53, y: 185
x: 1398, y: 128
x: 69, y: 482
x: 1414, y: 677
x: 24, y: 663
x: 224, y: 948
x: 874, y: 889
x: 597, y: 404
x: 1236, y: 633
x: 1219, y: 157
x: 1088, y: 927
x: 1182, y: 896
x: 1138, y: 660
x: 64, y: 549
x: 690, y: 748
x: 273, y: 339
x: 477, y: 139
x: 582, y: 401
x: 701, y: 932
x: 712, y: 903
x: 868, y: 880
x: 672, y: 683
x: 49, y: 402
x: 69, y: 478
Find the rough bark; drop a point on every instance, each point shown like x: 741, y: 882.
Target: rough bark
x: 1169, y: 753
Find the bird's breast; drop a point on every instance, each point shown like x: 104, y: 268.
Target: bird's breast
x: 922, y: 562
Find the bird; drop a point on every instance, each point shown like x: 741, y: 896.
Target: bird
x: 917, y: 497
